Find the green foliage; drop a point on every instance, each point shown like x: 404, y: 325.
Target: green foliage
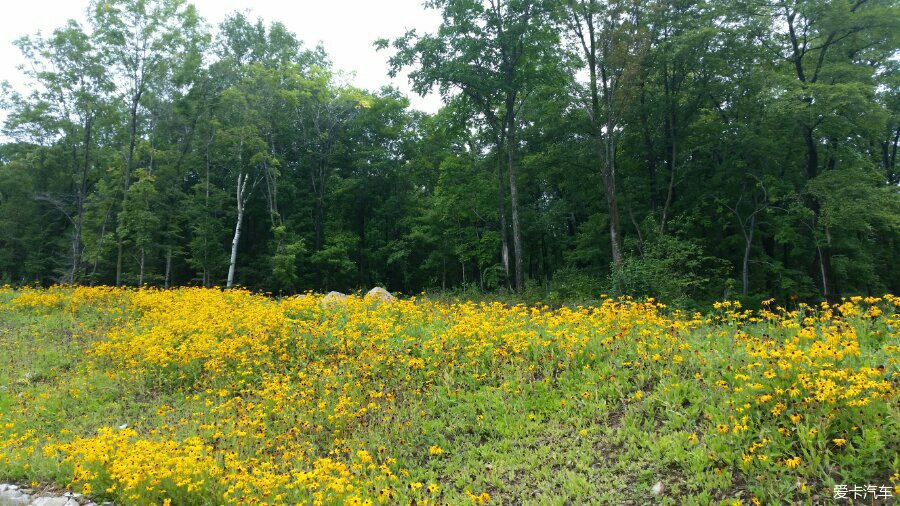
x: 671, y: 268
x: 139, y: 220
x: 574, y: 284
x: 285, y: 259
x: 748, y: 151
x: 334, y: 261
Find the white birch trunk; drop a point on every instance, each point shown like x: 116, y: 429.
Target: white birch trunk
x: 241, y: 187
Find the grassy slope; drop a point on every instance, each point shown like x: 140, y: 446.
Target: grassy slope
x: 526, y: 408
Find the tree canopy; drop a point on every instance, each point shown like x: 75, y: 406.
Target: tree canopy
x: 686, y: 150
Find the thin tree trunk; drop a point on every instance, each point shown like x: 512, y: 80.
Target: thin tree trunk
x: 609, y: 173
x: 812, y: 169
x: 637, y: 229
x: 609, y: 146
x: 272, y: 195
x: 745, y: 271
x: 168, y: 280
x: 609, y: 184
x: 100, y: 245
x: 141, y: 277
x: 672, y: 170
x: 669, y: 193
x: 504, y: 239
x: 79, y: 202
x: 600, y: 120
x: 127, y: 177
x: 889, y: 154
x: 241, y: 188
x: 823, y: 272
x: 514, y: 203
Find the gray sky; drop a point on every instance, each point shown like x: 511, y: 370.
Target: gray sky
x: 346, y: 28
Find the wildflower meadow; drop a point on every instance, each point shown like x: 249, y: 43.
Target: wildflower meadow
x: 208, y: 396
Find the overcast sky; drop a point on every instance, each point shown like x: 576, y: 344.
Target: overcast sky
x: 347, y: 29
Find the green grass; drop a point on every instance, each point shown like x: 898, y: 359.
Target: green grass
x: 525, y: 430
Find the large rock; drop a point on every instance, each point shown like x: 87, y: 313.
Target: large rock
x: 14, y: 498
x: 54, y: 501
x: 380, y: 294
x: 332, y: 298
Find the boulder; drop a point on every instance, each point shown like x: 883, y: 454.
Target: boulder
x: 332, y: 298
x: 380, y: 294
x: 12, y: 497
x: 54, y: 501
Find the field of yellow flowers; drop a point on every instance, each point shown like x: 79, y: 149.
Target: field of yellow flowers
x: 204, y: 396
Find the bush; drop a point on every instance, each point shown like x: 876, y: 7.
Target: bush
x: 574, y: 284
x: 672, y: 269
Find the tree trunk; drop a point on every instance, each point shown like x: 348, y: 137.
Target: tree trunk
x: 637, y: 230
x: 168, y: 280
x: 889, y: 155
x: 669, y: 193
x: 609, y: 176
x: 670, y: 137
x: 823, y: 272
x: 514, y: 200
x: 241, y: 188
x: 100, y: 246
x: 129, y: 158
x: 615, y: 237
x: 812, y: 170
x: 79, y: 202
x: 141, y: 277
x: 745, y: 266
x: 504, y: 239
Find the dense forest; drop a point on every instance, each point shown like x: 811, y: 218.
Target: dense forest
x: 683, y: 149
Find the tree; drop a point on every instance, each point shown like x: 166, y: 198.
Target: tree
x: 148, y: 151
x: 142, y: 41
x: 493, y: 53
x: 67, y: 101
x: 611, y: 40
x: 138, y: 221
x: 828, y: 54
